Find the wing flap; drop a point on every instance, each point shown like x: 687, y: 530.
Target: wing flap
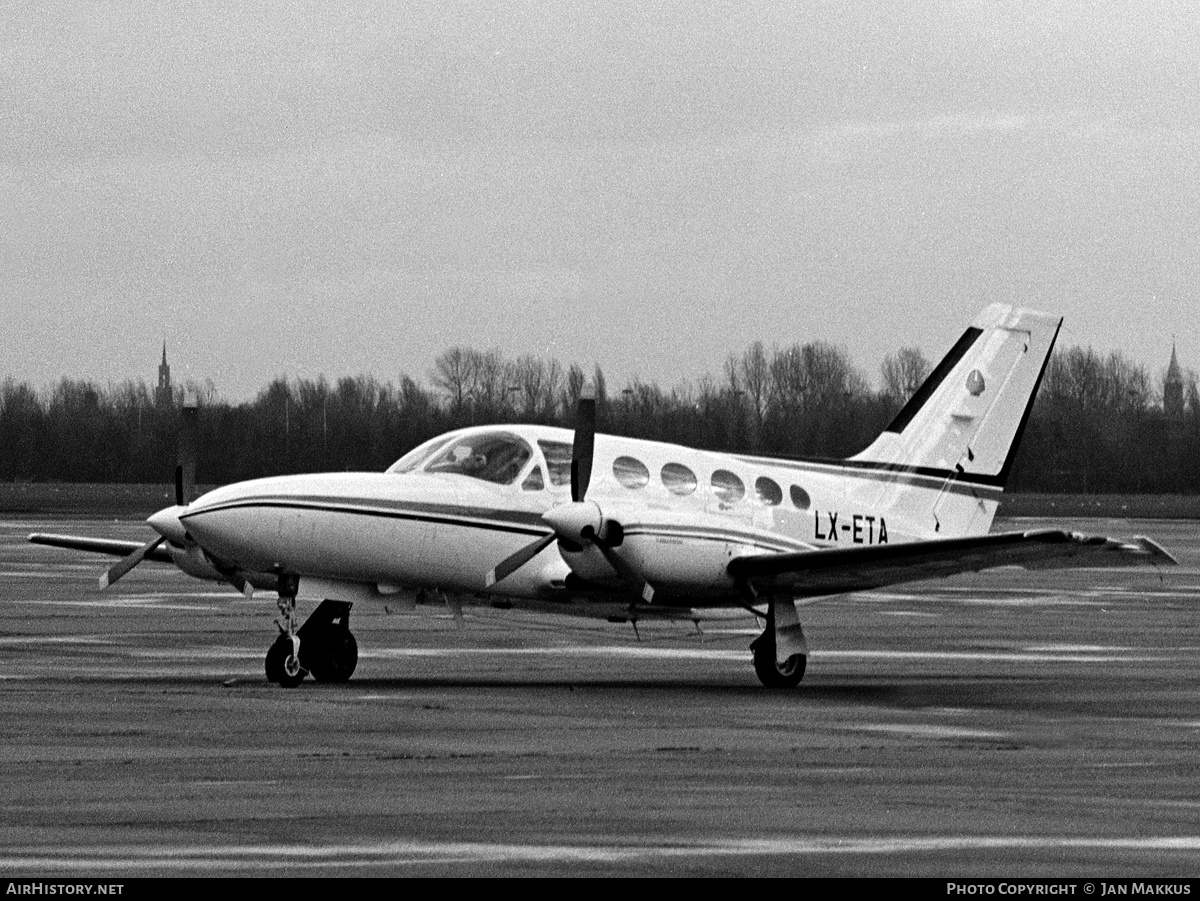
x: 860, y: 568
x: 110, y: 546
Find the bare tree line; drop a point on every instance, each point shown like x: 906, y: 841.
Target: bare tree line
x: 1095, y: 426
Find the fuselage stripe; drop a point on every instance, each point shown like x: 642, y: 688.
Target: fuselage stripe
x: 959, y: 482
x: 495, y: 524
x: 474, y: 517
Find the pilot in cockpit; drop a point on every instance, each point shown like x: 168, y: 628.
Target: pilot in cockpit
x: 494, y: 457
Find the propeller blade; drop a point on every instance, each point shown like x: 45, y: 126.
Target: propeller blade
x: 511, y: 564
x: 235, y: 579
x: 185, y: 487
x: 578, y: 521
x: 229, y: 572
x: 118, y: 569
x: 631, y: 575
x: 584, y: 444
x: 185, y: 472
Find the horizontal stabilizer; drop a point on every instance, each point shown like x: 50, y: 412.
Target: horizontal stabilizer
x: 835, y: 571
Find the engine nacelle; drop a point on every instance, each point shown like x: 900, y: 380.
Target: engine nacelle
x: 577, y: 522
x: 192, y: 560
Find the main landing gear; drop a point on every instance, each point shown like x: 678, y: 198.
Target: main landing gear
x: 770, y: 672
x: 783, y: 632
x: 324, y: 646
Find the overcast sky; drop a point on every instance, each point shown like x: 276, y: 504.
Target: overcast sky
x: 343, y: 188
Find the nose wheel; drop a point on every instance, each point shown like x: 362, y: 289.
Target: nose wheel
x: 283, y: 658
x: 283, y: 664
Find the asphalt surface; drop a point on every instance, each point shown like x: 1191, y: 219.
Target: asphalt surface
x: 1007, y: 725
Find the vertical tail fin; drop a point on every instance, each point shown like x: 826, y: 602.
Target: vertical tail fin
x: 965, y: 422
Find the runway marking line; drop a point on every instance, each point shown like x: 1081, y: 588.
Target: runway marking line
x: 1025, y: 655
x: 932, y: 731
x: 909, y: 613
x: 1034, y: 654
x: 411, y: 853
x: 130, y: 603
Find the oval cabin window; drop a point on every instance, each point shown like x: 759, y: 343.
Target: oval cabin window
x: 630, y: 472
x: 678, y: 479
x: 768, y: 492
x: 800, y: 498
x: 727, y: 487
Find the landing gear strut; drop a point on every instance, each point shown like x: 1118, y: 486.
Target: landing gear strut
x: 323, y: 646
x: 783, y: 629
x: 283, y: 657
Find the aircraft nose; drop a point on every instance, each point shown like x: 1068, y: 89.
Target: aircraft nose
x: 166, y: 523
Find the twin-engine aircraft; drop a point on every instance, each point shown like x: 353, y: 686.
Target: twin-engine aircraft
x: 622, y: 529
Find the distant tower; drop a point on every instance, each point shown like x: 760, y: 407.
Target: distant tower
x: 1173, y: 387
x: 162, y: 394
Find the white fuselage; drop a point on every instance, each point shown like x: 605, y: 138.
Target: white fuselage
x: 684, y: 513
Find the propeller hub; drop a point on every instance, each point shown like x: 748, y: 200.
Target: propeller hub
x: 166, y: 523
x: 579, y: 522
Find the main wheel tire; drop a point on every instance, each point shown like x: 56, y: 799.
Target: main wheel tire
x: 337, y: 658
x: 276, y: 661
x: 770, y: 673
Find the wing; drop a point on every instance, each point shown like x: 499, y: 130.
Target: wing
x: 108, y: 546
x: 838, y: 570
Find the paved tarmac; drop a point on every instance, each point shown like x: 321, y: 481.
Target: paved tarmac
x: 1006, y: 725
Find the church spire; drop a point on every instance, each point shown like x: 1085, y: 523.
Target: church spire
x: 162, y: 394
x: 1173, y: 386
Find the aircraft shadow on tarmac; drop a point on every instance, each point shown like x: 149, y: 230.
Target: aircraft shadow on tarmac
x: 984, y: 692
x: 1002, y: 692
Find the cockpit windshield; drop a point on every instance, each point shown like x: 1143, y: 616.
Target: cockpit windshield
x: 491, y: 456
x: 418, y: 455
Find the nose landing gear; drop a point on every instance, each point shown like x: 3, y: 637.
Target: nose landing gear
x: 324, y: 646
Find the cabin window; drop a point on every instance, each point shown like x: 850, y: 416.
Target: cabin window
x: 558, y: 461
x: 533, y: 481
x: 495, y: 457
x: 630, y: 472
x: 727, y: 487
x: 768, y: 492
x: 800, y: 498
x: 678, y: 479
